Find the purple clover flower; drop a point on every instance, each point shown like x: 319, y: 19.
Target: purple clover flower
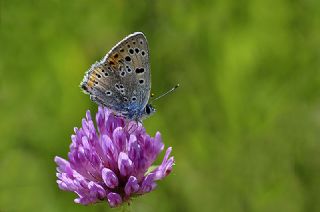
x: 112, y: 163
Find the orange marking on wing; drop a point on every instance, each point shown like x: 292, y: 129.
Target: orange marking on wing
x: 91, y: 80
x: 92, y: 77
x: 115, y: 56
x: 99, y: 69
x: 90, y: 83
x: 111, y: 61
x: 114, y: 61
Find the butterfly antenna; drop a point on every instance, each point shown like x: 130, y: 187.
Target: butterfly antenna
x: 164, y: 94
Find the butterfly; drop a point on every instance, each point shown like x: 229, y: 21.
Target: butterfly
x: 121, y: 81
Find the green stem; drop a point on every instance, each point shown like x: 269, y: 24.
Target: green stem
x: 126, y: 207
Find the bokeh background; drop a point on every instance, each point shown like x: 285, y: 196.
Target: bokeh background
x: 244, y: 125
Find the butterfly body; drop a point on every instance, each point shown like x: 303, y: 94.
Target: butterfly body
x: 121, y: 81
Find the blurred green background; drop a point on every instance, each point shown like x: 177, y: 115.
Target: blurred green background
x: 244, y: 125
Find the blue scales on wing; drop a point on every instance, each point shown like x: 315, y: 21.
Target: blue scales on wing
x: 121, y: 81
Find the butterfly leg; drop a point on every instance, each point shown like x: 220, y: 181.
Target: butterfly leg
x: 126, y: 126
x: 133, y: 127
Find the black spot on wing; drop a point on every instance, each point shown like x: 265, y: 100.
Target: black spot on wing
x: 139, y: 70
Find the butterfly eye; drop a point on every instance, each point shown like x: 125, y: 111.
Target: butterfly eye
x: 148, y: 111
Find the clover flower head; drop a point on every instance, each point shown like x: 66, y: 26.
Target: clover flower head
x: 111, y: 162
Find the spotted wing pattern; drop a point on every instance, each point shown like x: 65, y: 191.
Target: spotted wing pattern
x: 121, y: 80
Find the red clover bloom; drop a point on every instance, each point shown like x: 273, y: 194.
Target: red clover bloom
x: 111, y: 163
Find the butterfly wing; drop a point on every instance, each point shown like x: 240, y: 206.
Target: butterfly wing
x: 121, y: 80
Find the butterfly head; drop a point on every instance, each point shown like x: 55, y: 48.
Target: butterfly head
x: 148, y: 111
